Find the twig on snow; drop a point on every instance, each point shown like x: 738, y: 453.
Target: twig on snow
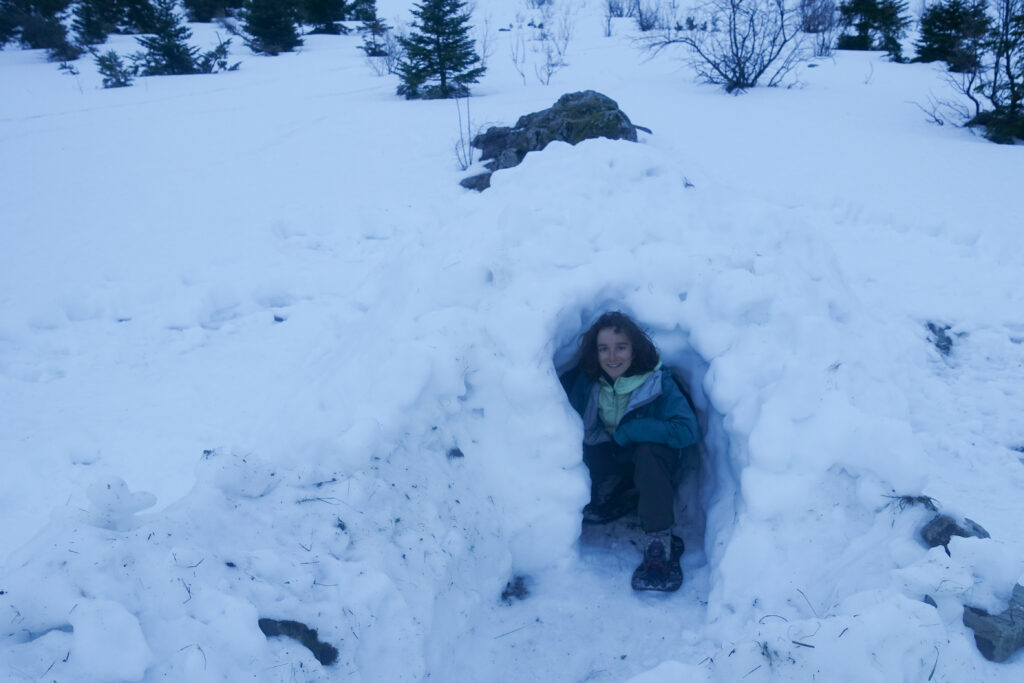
x: 808, y: 602
x: 777, y: 616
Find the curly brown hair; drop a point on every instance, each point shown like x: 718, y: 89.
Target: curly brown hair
x: 645, y: 355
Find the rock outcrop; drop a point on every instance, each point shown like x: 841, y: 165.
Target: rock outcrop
x: 998, y: 635
x: 573, y: 118
x: 943, y: 527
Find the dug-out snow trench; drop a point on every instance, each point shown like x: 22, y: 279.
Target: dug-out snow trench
x: 708, y: 493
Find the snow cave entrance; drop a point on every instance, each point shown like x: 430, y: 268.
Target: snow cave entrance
x: 708, y: 488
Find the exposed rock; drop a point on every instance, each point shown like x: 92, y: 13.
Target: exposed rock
x: 573, y: 118
x: 998, y: 635
x: 325, y: 653
x: 515, y: 588
x: 477, y: 182
x: 939, y: 337
x: 943, y: 527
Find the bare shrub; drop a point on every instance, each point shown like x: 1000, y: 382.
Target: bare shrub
x: 555, y: 30
x: 542, y: 43
x: 485, y: 40
x: 517, y: 50
x: 649, y: 15
x: 616, y: 8
x: 394, y: 52
x: 613, y: 9
x: 551, y: 63
x: 738, y: 43
x: 464, y: 146
x: 820, y: 18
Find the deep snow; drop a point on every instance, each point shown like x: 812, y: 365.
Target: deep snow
x: 263, y: 298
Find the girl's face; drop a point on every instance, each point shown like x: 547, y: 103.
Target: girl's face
x: 614, y: 352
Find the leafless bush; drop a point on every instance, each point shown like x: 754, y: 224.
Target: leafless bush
x: 560, y: 29
x: 648, y: 14
x: 551, y: 63
x: 738, y: 43
x: 967, y: 83
x: 820, y: 18
x: 464, y: 144
x: 616, y: 9
x: 484, y: 41
x: 517, y: 50
x: 542, y: 43
x: 613, y: 9
x: 393, y: 51
x: 940, y: 111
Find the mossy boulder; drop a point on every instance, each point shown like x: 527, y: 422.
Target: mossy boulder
x: 573, y: 118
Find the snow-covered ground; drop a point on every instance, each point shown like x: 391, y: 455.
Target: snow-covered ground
x: 262, y: 298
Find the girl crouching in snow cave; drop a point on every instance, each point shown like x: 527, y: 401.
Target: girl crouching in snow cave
x: 636, y: 422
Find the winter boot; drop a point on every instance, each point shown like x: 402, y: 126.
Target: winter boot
x: 611, y: 505
x: 660, y: 569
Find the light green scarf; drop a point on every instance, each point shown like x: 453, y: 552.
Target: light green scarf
x: 613, y: 398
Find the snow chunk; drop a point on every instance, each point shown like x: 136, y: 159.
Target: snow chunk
x: 114, y: 505
x: 108, y: 644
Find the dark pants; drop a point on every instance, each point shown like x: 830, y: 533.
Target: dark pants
x: 653, y: 468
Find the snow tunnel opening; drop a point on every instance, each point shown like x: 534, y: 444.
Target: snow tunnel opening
x: 707, y: 491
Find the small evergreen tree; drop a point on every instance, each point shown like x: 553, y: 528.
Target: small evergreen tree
x: 116, y: 74
x: 38, y: 25
x: 362, y: 10
x: 324, y: 15
x: 8, y: 26
x: 204, y: 11
x: 1002, y: 74
x: 137, y: 16
x: 271, y: 25
x: 167, y: 49
x: 440, y: 61
x: 216, y: 60
x: 879, y: 25
x: 374, y: 32
x: 953, y: 31
x: 94, y: 20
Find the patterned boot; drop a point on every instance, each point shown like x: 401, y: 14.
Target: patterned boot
x: 660, y: 569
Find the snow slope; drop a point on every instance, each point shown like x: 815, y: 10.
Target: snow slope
x: 263, y: 298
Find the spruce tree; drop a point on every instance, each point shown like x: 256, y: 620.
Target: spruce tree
x: 167, y: 49
x: 879, y: 25
x: 38, y: 25
x: 204, y: 11
x: 374, y: 30
x: 271, y: 25
x: 361, y: 10
x: 954, y: 31
x: 94, y: 20
x: 8, y: 23
x: 138, y: 16
x: 439, y: 61
x: 324, y: 15
x: 116, y: 74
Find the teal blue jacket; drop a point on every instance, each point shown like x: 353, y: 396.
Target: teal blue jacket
x: 657, y: 412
